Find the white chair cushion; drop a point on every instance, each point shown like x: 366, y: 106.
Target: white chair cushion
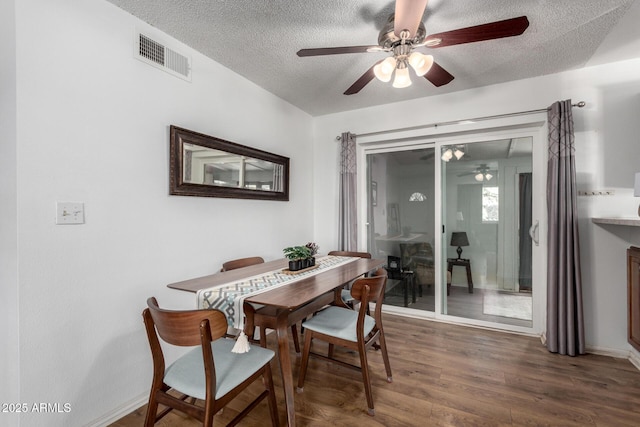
x: 346, y: 296
x: 339, y: 322
x: 186, y: 374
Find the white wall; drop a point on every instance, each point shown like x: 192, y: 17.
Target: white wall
x: 9, y: 337
x: 92, y: 126
x: 607, y: 134
x: 85, y: 113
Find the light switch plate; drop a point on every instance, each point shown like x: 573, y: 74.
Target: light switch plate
x: 70, y: 213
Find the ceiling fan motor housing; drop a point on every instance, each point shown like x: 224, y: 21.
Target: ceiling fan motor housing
x: 387, y: 38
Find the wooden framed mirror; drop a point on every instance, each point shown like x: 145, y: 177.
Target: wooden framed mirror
x: 203, y: 165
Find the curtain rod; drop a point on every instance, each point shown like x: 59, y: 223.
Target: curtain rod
x: 457, y: 122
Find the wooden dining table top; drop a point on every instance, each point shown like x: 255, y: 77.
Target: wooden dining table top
x: 290, y: 296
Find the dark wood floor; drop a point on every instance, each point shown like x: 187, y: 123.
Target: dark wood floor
x: 460, y: 303
x: 448, y: 375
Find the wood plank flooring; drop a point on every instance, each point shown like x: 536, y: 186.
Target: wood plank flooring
x: 460, y: 303
x: 449, y: 375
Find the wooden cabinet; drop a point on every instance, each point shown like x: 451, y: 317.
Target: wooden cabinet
x: 633, y: 296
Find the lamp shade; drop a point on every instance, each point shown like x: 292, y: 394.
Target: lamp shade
x: 459, y: 238
x: 447, y: 155
x: 421, y: 63
x: 636, y: 187
x: 402, y: 78
x: 384, y: 70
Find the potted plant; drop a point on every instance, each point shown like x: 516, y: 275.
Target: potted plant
x: 313, y: 249
x: 296, y: 256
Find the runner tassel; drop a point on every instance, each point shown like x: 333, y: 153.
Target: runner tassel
x: 242, y: 344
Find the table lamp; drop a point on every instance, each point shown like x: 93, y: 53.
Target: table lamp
x: 459, y: 238
x: 636, y: 189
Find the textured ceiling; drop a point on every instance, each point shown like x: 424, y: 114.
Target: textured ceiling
x: 258, y: 39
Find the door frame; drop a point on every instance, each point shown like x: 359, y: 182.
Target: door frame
x: 533, y: 125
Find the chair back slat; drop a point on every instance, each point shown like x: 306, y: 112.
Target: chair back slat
x: 351, y: 253
x: 376, y: 286
x: 242, y: 262
x: 182, y: 328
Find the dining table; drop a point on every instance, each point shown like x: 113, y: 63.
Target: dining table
x: 283, y: 306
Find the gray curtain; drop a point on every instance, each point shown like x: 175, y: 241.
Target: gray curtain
x: 525, y: 214
x: 565, y: 324
x: 348, y: 226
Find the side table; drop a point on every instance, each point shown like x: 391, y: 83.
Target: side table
x: 464, y: 262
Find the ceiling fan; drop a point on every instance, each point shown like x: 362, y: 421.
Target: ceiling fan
x: 405, y: 32
x: 481, y: 173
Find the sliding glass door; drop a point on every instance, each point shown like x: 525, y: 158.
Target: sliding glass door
x: 487, y: 217
x: 454, y: 219
x: 401, y: 223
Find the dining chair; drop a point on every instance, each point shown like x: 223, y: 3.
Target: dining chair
x: 241, y: 262
x: 209, y: 372
x: 346, y: 293
x: 354, y: 330
x: 400, y: 277
x: 246, y: 262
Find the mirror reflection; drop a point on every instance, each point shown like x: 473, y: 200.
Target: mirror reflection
x: 203, y: 165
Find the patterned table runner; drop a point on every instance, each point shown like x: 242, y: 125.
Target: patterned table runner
x: 229, y: 297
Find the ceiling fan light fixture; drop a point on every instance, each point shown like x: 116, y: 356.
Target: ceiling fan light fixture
x: 488, y: 176
x: 447, y: 155
x: 479, y: 177
x: 384, y: 70
x: 421, y: 63
x: 402, y: 78
x: 458, y: 153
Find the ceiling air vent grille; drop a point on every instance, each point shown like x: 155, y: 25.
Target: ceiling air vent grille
x: 159, y: 55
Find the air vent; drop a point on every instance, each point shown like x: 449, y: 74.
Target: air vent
x: 156, y: 53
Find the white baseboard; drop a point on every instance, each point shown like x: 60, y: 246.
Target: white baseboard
x: 119, y: 412
x: 618, y: 354
x: 634, y: 358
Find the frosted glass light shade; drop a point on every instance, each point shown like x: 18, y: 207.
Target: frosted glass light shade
x: 447, y: 155
x: 488, y: 176
x: 421, y: 63
x: 479, y: 177
x: 402, y: 78
x: 458, y: 153
x: 384, y: 70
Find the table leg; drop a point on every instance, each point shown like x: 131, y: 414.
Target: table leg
x: 469, y: 279
x: 412, y: 279
x: 405, y: 288
x: 285, y: 367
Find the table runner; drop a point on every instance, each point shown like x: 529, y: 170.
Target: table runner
x: 229, y: 297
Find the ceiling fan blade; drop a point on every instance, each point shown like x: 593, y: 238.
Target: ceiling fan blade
x: 438, y: 75
x: 408, y: 15
x: 493, y: 30
x: 362, y: 81
x: 336, y: 50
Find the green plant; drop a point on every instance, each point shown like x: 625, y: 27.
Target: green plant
x: 297, y: 252
x: 313, y: 247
